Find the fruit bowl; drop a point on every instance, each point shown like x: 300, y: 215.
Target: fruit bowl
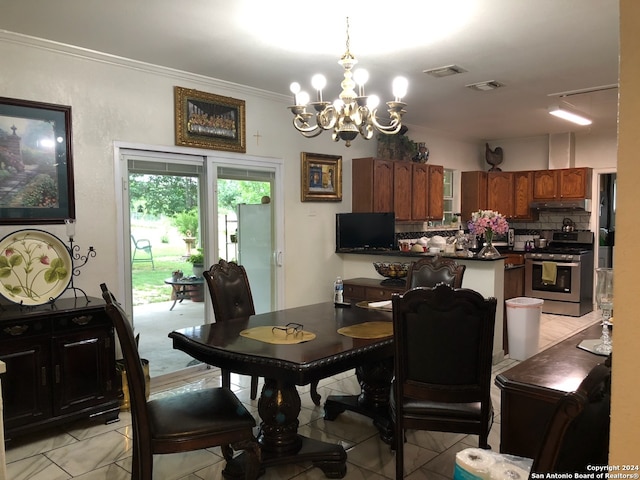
x: 394, y: 270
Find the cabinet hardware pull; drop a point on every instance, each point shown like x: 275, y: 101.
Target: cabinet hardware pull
x: 83, y: 320
x: 16, y: 330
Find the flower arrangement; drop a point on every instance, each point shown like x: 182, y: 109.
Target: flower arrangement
x: 486, y: 223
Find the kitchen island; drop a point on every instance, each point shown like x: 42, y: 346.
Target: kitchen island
x: 485, y: 276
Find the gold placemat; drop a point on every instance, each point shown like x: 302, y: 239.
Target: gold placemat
x: 268, y: 335
x: 368, y: 330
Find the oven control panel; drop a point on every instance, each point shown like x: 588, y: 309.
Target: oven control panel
x: 553, y: 257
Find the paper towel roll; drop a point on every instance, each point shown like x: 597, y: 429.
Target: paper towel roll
x: 507, y: 471
x: 473, y: 464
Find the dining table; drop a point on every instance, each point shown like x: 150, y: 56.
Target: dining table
x: 321, y: 353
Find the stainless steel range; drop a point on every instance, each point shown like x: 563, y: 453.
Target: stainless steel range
x: 562, y: 274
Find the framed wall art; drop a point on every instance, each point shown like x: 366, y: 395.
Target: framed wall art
x: 321, y: 178
x: 205, y: 120
x: 36, y: 166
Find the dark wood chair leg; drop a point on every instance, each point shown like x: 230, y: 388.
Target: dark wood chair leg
x: 226, y: 378
x: 254, y: 387
x: 315, y: 396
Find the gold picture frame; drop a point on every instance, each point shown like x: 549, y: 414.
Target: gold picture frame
x: 206, y: 120
x: 321, y: 177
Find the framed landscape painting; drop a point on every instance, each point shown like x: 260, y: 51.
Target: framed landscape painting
x: 321, y: 177
x: 205, y: 120
x: 36, y: 166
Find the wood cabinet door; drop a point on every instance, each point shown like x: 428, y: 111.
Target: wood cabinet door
x: 402, y: 182
x: 522, y: 195
x: 545, y: 184
x: 382, y: 186
x: 420, y: 192
x: 500, y: 192
x: 436, y: 192
x: 473, y: 193
x: 26, y: 385
x: 575, y: 183
x: 83, y: 369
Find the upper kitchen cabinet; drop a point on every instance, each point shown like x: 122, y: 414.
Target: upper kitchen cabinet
x: 473, y: 193
x: 413, y: 191
x: 523, y: 196
x: 566, y: 183
x: 436, y: 192
x: 372, y: 185
x: 500, y: 192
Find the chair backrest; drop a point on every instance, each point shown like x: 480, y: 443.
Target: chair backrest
x: 135, y: 380
x: 430, y: 271
x: 443, y: 345
x: 578, y: 433
x: 230, y: 291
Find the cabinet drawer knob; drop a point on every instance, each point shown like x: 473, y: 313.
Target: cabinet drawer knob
x: 82, y: 320
x: 16, y: 330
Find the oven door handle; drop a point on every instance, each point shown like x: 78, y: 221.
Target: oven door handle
x: 560, y: 264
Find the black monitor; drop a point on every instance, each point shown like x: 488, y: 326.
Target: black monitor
x: 365, y: 231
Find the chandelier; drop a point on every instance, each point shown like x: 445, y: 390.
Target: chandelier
x: 351, y: 114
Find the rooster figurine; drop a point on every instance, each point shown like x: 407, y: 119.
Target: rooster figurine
x: 493, y: 157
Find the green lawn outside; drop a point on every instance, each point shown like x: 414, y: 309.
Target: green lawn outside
x: 148, y: 284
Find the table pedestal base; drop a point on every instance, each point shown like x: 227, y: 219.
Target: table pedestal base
x: 279, y: 406
x: 373, y: 402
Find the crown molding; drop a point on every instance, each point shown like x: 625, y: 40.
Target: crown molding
x: 114, y: 60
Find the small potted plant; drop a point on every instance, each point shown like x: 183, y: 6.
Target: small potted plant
x: 197, y: 260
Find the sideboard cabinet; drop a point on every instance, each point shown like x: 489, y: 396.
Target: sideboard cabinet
x: 60, y: 364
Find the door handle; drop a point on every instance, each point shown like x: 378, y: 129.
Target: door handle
x: 279, y: 258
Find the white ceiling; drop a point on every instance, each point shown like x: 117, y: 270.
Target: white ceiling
x: 536, y: 48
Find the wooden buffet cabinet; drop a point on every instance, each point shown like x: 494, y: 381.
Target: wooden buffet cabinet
x: 413, y: 191
x: 60, y: 364
x: 370, y: 289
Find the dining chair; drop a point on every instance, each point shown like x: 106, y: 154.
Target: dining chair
x: 183, y: 422
x: 577, y: 434
x: 231, y: 297
x: 443, y: 341
x: 429, y: 271
x: 143, y: 245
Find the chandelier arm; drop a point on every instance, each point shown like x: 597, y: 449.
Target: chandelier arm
x: 308, y: 131
x: 395, y: 115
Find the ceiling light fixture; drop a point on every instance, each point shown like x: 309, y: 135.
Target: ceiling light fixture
x: 570, y: 113
x: 351, y: 114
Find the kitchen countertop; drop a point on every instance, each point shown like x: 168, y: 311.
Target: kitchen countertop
x: 398, y: 253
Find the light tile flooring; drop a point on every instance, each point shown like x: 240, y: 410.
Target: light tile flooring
x: 90, y: 451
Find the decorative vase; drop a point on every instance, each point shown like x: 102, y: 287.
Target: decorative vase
x: 488, y: 250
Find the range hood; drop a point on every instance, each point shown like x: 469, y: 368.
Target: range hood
x: 582, y: 204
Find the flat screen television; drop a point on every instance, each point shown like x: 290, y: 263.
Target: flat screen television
x: 365, y: 231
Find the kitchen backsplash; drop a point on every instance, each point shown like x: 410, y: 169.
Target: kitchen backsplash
x: 546, y: 221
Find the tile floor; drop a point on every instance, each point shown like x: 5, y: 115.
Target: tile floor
x: 90, y: 451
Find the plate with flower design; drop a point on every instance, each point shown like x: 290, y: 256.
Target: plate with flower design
x: 35, y: 267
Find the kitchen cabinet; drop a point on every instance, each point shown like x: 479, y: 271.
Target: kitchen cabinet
x: 372, y: 185
x: 500, y: 192
x: 565, y: 183
x: 523, y: 196
x: 473, y: 193
x: 413, y: 191
x: 369, y: 289
x: 60, y: 363
x: 436, y: 192
x: 402, y: 190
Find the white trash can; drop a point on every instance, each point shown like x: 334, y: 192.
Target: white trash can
x: 523, y: 326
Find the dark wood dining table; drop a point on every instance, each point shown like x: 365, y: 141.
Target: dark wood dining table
x: 285, y: 366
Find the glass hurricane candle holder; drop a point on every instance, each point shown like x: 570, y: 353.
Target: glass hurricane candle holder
x: 604, y: 298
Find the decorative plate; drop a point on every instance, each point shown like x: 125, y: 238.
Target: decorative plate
x: 35, y: 267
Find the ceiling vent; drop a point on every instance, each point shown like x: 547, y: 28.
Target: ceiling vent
x: 446, y: 71
x: 485, y: 86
